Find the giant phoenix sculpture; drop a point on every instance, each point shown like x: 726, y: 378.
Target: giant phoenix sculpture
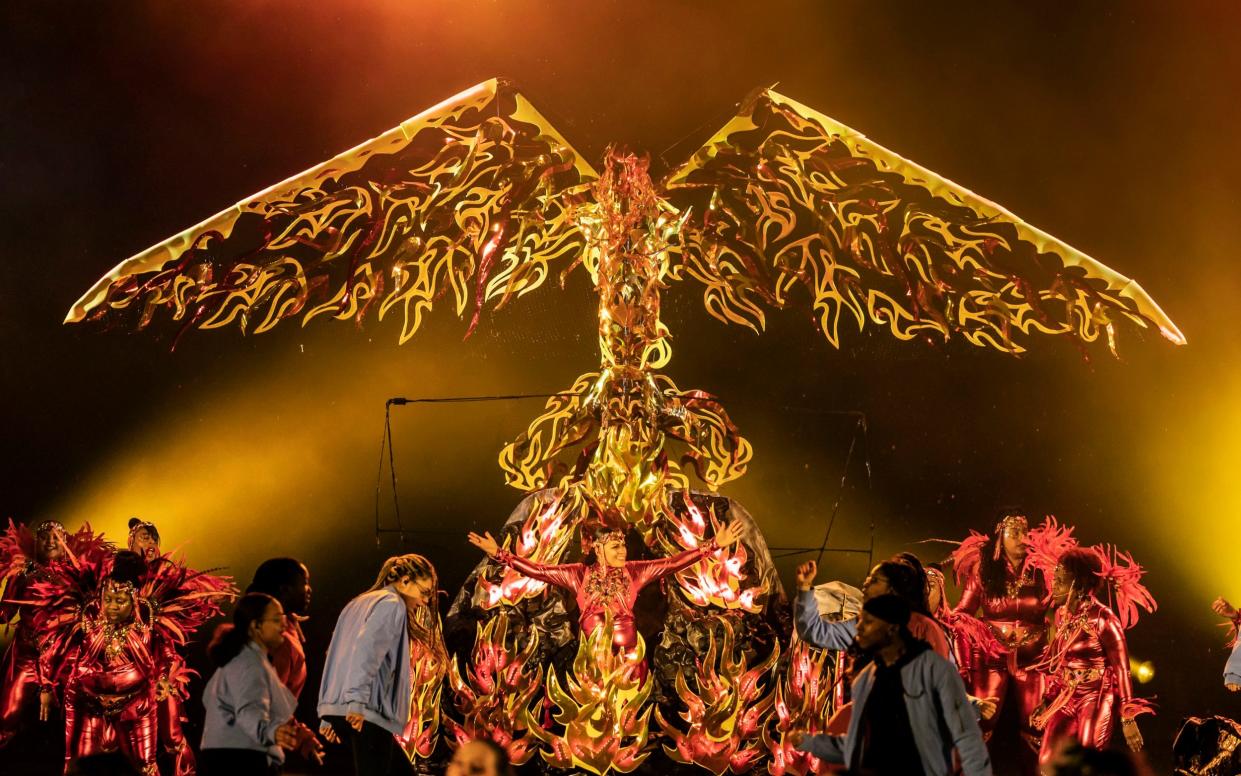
x: 479, y: 201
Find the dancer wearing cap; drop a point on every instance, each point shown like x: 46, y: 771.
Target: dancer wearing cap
x: 912, y: 710
x: 895, y: 577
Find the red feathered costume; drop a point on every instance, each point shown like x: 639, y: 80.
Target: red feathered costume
x: 21, y: 565
x: 117, y: 671
x: 1017, y: 618
x: 1086, y: 664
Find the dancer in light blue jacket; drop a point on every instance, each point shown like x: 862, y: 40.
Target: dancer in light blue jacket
x: 365, y: 694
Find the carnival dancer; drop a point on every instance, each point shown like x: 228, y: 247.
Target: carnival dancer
x: 144, y: 540
x: 109, y: 626
x: 384, y: 669
x: 1232, y: 669
x: 249, y: 710
x: 25, y: 557
x: 970, y: 640
x: 913, y: 710
x: 1008, y: 587
x: 1086, y: 663
x: 609, y: 586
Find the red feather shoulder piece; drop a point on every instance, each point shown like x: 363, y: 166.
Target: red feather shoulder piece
x: 966, y: 557
x: 1048, y: 542
x: 1123, y: 576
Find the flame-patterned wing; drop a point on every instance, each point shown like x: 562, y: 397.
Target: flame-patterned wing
x: 472, y: 195
x: 784, y: 196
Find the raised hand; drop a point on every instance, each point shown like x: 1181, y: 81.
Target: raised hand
x: 728, y: 534
x: 805, y: 575
x: 1223, y: 608
x: 487, y: 543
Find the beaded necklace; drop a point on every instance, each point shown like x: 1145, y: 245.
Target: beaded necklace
x: 1024, y: 579
x: 606, y: 583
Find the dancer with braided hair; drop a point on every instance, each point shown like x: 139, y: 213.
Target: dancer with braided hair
x: 144, y: 541
x: 385, y: 666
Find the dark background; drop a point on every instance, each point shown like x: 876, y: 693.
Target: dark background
x: 1111, y: 125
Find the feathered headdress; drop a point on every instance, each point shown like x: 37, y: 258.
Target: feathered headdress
x: 19, y: 546
x: 1046, y: 541
x: 182, y: 599
x: 171, y: 600
x: 69, y: 589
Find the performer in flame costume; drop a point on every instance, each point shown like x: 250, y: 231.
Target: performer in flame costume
x: 608, y: 587
x: 1008, y: 586
x: 108, y: 632
x: 1086, y: 662
x: 25, y: 558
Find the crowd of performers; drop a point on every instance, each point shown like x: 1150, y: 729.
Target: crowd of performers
x: 1031, y: 634
x: 100, y: 631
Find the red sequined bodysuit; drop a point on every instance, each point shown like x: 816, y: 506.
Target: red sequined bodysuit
x: 109, y: 674
x: 602, y: 591
x: 1087, y: 670
x: 1018, y: 622
x: 113, y: 674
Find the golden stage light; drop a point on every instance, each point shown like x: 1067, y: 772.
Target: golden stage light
x: 1141, y: 670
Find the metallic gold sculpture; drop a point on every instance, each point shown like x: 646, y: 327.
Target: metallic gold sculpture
x: 480, y: 200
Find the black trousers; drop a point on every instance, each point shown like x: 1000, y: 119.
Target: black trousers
x: 375, y: 750
x: 235, y: 762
